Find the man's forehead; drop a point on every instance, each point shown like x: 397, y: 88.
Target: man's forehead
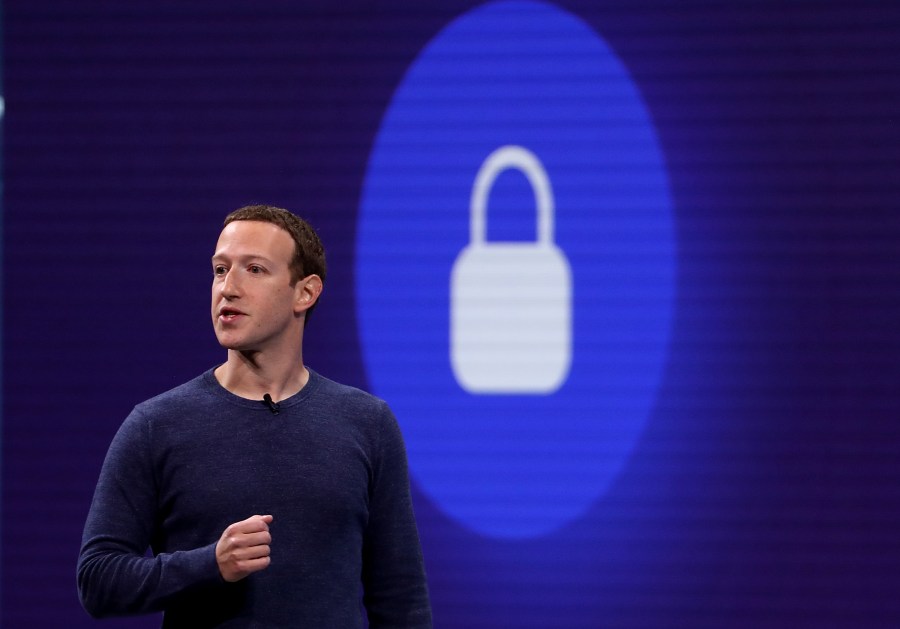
x: 249, y: 238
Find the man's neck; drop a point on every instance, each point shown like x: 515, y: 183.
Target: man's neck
x: 252, y: 375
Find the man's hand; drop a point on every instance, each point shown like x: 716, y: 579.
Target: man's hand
x: 244, y: 548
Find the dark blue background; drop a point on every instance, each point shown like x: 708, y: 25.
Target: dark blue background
x: 765, y: 490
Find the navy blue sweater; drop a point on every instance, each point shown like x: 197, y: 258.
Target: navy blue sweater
x: 330, y: 467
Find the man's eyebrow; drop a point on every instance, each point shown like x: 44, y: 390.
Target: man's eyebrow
x: 244, y: 258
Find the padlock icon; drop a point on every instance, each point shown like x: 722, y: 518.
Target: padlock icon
x: 511, y: 302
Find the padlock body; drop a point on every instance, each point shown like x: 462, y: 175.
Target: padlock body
x: 511, y: 318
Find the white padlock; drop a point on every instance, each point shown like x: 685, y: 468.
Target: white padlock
x: 511, y: 302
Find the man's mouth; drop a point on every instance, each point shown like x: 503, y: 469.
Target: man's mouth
x: 229, y: 314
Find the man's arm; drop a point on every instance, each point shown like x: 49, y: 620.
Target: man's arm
x: 115, y: 575
x: 395, y: 588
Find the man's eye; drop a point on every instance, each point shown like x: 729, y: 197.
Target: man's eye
x: 219, y: 270
x: 255, y: 269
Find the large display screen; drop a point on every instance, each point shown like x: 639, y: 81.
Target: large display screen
x: 628, y: 274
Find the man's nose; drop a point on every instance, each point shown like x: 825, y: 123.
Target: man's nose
x: 231, y: 285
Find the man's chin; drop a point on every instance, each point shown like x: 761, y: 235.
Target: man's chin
x: 244, y: 351
x: 235, y: 345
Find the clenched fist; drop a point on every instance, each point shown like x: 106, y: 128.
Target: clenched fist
x: 244, y: 548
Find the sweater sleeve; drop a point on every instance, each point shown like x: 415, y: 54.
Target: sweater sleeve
x: 394, y: 584
x: 115, y: 574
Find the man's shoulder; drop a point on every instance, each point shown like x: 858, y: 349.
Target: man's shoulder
x: 194, y: 392
x: 338, y: 390
x: 345, y: 395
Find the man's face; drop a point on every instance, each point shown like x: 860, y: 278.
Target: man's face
x: 254, y: 306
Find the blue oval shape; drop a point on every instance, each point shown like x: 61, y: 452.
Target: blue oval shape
x: 532, y: 75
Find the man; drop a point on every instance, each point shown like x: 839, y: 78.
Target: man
x: 268, y: 494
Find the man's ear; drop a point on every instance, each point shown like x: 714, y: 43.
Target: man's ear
x: 307, y: 294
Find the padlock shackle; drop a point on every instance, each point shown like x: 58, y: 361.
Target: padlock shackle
x: 505, y: 157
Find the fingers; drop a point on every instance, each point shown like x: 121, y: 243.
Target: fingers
x: 244, y: 547
x: 253, y: 524
x: 249, y: 546
x: 256, y: 539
